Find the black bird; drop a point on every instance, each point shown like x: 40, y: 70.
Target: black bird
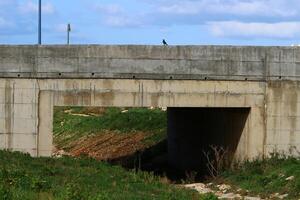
x: 164, y: 42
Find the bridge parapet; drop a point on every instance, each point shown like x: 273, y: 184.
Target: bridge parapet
x: 150, y: 62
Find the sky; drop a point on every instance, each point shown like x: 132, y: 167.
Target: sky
x: 180, y: 22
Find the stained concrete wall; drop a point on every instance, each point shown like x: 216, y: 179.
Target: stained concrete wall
x: 266, y: 80
x: 151, y: 62
x: 19, y: 115
x: 283, y: 116
x: 30, y: 106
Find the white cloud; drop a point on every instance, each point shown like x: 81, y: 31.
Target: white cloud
x: 256, y: 7
x: 61, y: 28
x: 6, y: 2
x: 121, y: 21
x: 236, y: 29
x: 30, y: 7
x: 109, y: 8
x: 4, y: 23
x: 185, y: 7
x: 236, y: 7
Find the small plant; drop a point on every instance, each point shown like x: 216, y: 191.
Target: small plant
x: 5, y: 185
x: 66, y: 178
x: 209, y: 196
x: 277, y: 173
x: 74, y: 192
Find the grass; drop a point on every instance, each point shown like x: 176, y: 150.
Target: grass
x: 68, y: 128
x: 26, y: 178
x: 268, y: 176
x: 260, y: 177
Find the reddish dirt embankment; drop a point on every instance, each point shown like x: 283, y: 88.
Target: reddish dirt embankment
x: 107, y: 145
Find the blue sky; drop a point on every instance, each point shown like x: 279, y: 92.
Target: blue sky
x: 180, y: 22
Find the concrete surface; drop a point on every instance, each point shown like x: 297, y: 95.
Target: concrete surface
x: 264, y: 80
x: 150, y: 62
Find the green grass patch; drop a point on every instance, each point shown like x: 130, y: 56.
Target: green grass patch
x: 23, y: 177
x: 68, y: 128
x: 267, y: 176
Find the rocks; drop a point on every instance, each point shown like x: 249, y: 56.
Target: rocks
x: 279, y: 196
x: 224, y: 191
x: 290, y: 178
x: 59, y: 153
x: 200, y: 187
x: 224, y: 188
x: 252, y: 198
x: 230, y: 196
x: 283, y: 196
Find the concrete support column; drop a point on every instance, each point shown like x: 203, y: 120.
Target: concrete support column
x: 45, y: 136
x: 18, y: 115
x: 7, y: 115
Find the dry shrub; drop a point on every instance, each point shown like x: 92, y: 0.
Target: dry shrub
x: 218, y: 159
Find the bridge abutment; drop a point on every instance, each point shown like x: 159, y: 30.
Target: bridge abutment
x: 27, y: 107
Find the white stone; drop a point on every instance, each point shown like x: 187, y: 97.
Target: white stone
x: 290, y: 178
x: 199, y: 187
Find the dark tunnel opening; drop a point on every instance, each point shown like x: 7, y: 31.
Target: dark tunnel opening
x: 193, y: 131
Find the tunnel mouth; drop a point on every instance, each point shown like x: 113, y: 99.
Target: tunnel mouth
x: 186, y: 139
x: 199, y: 137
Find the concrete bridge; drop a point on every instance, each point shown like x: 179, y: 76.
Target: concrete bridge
x: 243, y: 98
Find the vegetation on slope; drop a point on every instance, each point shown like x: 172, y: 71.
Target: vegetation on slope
x: 278, y: 174
x: 71, y: 126
x: 23, y: 177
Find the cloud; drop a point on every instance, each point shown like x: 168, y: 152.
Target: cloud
x: 60, y: 28
x: 122, y: 21
x: 30, y: 7
x: 235, y: 7
x: 12, y: 19
x: 5, y: 23
x: 262, y: 8
x: 236, y: 29
x: 6, y: 2
x: 109, y: 8
x: 185, y: 7
x: 114, y: 15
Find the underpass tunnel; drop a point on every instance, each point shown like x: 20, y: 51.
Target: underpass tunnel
x: 192, y: 131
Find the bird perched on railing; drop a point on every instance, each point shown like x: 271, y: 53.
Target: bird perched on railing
x: 164, y: 42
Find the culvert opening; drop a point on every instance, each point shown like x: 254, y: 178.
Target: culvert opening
x: 169, y: 143
x: 196, y: 135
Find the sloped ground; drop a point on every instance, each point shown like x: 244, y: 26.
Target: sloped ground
x: 107, y: 133
x: 277, y: 177
x: 108, y: 145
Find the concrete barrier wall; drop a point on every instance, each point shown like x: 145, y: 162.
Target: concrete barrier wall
x: 151, y: 62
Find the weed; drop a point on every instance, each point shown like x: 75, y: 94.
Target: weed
x: 267, y: 176
x: 23, y: 177
x: 209, y: 196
